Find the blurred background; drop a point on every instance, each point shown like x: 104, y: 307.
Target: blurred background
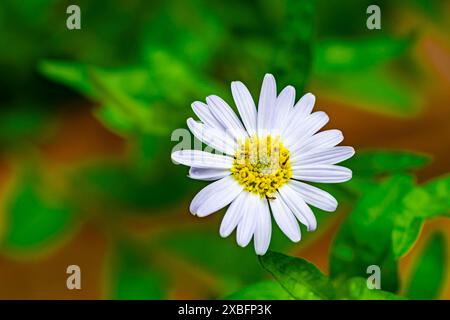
x: 86, y: 120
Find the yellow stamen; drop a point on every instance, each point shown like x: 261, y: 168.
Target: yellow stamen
x: 262, y: 165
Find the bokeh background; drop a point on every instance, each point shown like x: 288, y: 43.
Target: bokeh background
x: 87, y: 115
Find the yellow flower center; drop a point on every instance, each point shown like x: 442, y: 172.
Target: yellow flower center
x: 262, y: 165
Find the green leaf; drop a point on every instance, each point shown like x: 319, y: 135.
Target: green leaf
x: 364, y: 238
x: 119, y: 112
x: 299, y: 277
x: 356, y: 289
x: 407, y: 228
x: 337, y: 55
x: 423, y: 202
x: 428, y: 275
x: 374, y: 162
x: 134, y: 99
x: 35, y: 217
x: 115, y: 119
x: 115, y: 89
x: 438, y: 190
x: 264, y: 290
x: 72, y: 74
x: 120, y: 91
x: 134, y: 277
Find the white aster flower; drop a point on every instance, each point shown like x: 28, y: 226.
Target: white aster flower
x: 263, y: 162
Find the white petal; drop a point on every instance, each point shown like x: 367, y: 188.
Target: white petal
x: 321, y: 140
x: 234, y: 214
x: 306, y: 128
x: 326, y: 156
x: 301, y: 110
x: 266, y: 104
x: 202, y: 159
x: 214, y: 137
x: 263, y: 230
x: 327, y: 173
x: 299, y: 207
x: 215, y: 196
x: 285, y: 219
x: 208, y: 174
x: 283, y: 106
x: 204, y: 114
x: 245, y: 105
x: 226, y: 116
x: 306, y: 104
x: 314, y: 196
x: 247, y: 225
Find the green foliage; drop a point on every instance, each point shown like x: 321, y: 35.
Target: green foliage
x: 299, y: 277
x: 134, y: 278
x: 264, y: 290
x: 438, y: 191
x: 407, y: 227
x: 344, y: 55
x: 36, y: 30
x: 115, y: 188
x: 360, y: 75
x: 295, y: 35
x: 332, y: 22
x: 196, y: 30
x: 393, y: 213
x: 356, y: 289
x: 71, y: 74
x: 378, y: 91
x: 428, y: 274
x: 127, y: 96
x: 375, y: 162
x: 364, y: 237
x: 423, y: 202
x: 34, y: 216
x: 303, y: 281
x: 200, y: 247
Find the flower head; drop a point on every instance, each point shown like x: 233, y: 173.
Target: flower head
x: 262, y: 162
